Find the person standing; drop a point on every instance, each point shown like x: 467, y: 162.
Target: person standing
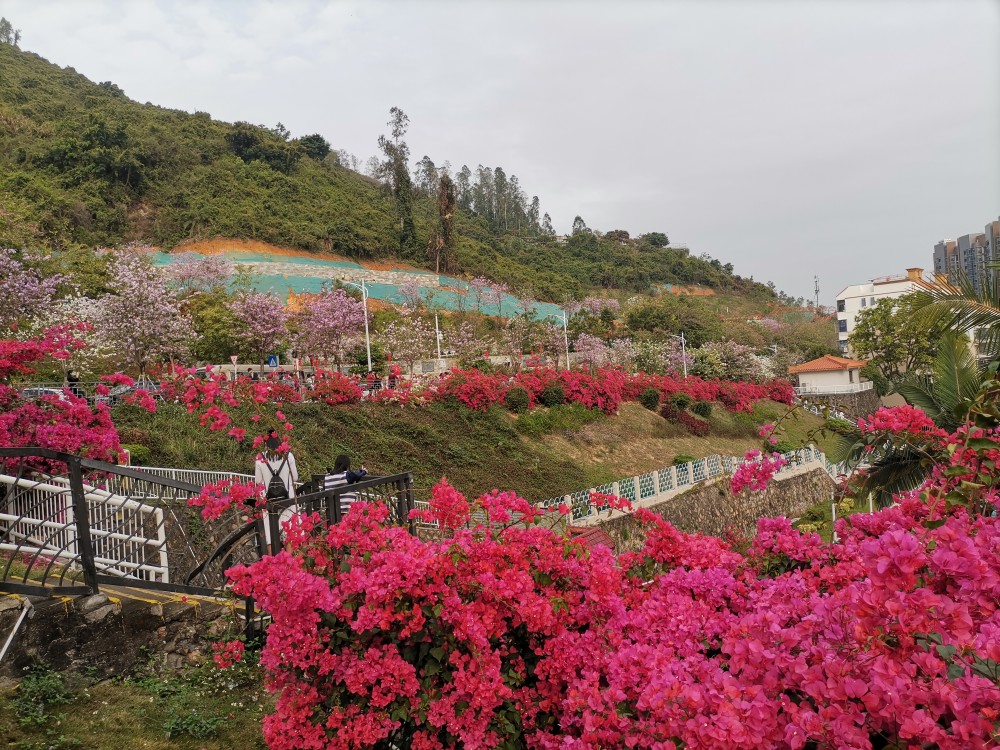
x: 279, y: 474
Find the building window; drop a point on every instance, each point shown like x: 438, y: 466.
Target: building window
x: 843, y: 346
x: 841, y: 305
x: 864, y: 302
x: 873, y: 302
x: 842, y: 326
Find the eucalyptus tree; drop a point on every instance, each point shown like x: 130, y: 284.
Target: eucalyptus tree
x: 396, y: 171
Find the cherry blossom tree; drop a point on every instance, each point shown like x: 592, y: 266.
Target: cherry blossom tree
x: 193, y: 272
x: 408, y: 340
x: 80, y: 316
x: 261, y: 324
x: 328, y: 324
x: 141, y: 319
x: 590, y: 350
x: 24, y: 290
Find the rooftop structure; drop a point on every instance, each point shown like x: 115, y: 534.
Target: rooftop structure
x: 858, y: 297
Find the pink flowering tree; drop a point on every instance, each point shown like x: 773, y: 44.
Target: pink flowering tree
x: 466, y: 344
x: 590, y: 350
x: 328, y: 324
x: 25, y: 290
x: 141, y: 319
x: 261, y: 324
x: 408, y: 340
x: 193, y: 272
x: 412, y: 294
x: 79, y: 317
x: 622, y: 354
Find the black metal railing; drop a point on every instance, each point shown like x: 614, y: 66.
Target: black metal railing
x: 70, y: 524
x: 394, y: 491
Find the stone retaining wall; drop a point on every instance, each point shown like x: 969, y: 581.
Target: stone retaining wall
x: 110, y: 636
x: 711, y: 508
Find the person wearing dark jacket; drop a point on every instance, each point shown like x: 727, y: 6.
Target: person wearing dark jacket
x: 341, y: 476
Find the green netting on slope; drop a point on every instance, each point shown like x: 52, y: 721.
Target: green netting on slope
x: 450, y: 295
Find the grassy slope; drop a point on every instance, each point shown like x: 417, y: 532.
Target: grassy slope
x: 547, y: 454
x: 204, y: 708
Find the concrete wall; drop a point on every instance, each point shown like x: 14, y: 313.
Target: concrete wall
x: 711, y: 508
x: 831, y: 378
x: 854, y: 405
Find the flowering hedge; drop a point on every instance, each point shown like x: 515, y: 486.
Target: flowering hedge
x: 62, y: 423
x: 515, y: 636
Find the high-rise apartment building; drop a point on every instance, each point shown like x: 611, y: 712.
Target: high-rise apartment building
x: 969, y: 255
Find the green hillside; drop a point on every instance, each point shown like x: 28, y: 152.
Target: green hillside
x: 82, y: 165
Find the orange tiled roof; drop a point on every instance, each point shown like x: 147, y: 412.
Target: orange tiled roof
x: 828, y: 363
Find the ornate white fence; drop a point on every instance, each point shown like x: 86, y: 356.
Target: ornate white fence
x: 663, y: 483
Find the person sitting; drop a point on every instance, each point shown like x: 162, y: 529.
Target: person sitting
x: 341, y: 476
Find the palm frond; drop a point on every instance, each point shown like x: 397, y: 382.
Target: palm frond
x: 959, y: 306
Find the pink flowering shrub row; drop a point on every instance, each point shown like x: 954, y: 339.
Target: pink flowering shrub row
x: 516, y: 636
x: 65, y: 424
x: 604, y: 388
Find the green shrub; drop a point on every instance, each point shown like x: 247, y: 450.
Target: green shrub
x: 683, y: 459
x: 552, y: 395
x: 702, y: 409
x: 783, y: 446
x: 650, y: 398
x: 517, y: 400
x: 139, y: 454
x: 681, y: 401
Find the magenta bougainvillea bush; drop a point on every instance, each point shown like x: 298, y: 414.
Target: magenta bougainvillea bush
x: 515, y: 636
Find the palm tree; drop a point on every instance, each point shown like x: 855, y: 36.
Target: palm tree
x: 945, y: 394
x: 947, y: 391
x: 962, y: 307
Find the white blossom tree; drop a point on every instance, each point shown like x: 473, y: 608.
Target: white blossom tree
x: 141, y: 319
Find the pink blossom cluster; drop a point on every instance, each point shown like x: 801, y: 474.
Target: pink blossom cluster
x: 518, y: 635
x: 218, y: 497
x: 65, y: 423
x: 756, y: 471
x: 901, y: 419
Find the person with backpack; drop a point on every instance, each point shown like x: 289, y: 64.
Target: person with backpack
x: 279, y: 475
x: 341, y: 476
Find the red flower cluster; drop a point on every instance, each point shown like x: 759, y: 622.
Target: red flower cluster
x: 497, y: 635
x: 334, y: 389
x: 756, y: 471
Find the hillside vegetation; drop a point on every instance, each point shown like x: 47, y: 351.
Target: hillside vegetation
x: 82, y: 165
x: 544, y: 453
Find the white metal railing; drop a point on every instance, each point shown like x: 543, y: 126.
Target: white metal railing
x: 670, y: 480
x: 818, y: 390
x: 128, y: 536
x: 193, y: 476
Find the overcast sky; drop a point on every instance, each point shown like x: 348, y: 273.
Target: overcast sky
x: 826, y: 137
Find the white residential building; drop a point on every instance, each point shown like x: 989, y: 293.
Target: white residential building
x: 859, y: 297
x: 830, y: 375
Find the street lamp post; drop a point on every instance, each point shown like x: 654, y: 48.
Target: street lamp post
x: 364, y: 299
x: 684, y: 358
x: 562, y: 316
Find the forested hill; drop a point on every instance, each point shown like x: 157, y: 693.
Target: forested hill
x: 82, y: 165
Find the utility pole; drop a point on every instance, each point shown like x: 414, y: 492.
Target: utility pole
x: 816, y: 281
